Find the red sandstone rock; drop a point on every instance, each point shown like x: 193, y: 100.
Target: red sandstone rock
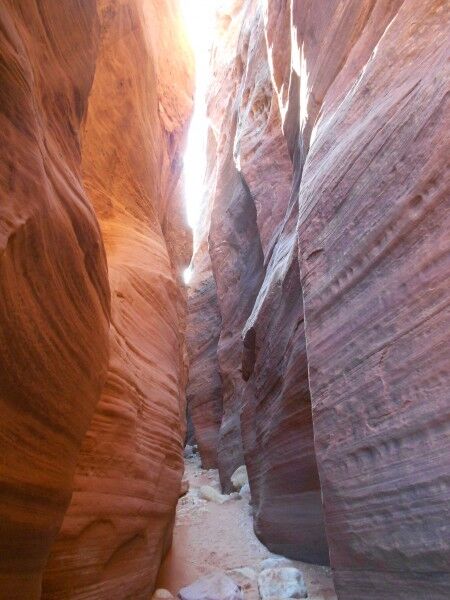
x: 234, y: 250
x: 363, y: 112
x: 128, y: 476
x: 374, y: 256
x: 276, y: 418
x: 54, y: 296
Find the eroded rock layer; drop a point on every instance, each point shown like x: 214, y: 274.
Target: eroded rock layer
x: 128, y: 475
x: 362, y: 89
x: 54, y: 296
x: 374, y: 256
x: 94, y: 101
x: 253, y: 248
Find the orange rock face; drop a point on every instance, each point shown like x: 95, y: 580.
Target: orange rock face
x: 128, y: 475
x: 54, y: 296
x: 64, y: 156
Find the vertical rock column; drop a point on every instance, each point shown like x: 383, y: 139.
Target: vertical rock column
x: 128, y: 477
x: 54, y: 296
x: 276, y: 420
x: 261, y: 349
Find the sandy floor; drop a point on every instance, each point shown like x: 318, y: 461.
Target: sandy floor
x: 210, y: 536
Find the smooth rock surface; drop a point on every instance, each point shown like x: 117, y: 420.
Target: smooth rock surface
x: 374, y: 257
x: 128, y: 476
x: 54, y: 293
x: 362, y: 91
x: 261, y: 351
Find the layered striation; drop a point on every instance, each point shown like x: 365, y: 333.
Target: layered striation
x: 127, y: 480
x: 374, y: 258
x: 332, y: 331
x: 95, y: 97
x: 54, y: 293
x: 260, y: 350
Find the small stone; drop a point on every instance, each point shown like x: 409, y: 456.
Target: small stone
x: 247, y: 579
x: 162, y: 595
x: 184, y: 487
x: 216, y: 586
x: 209, y: 493
x: 281, y: 583
x: 239, y: 477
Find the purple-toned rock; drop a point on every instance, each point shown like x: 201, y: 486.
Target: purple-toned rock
x: 374, y: 252
x: 249, y: 219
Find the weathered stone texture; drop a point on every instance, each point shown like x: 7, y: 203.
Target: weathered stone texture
x: 94, y: 100
x: 54, y: 296
x: 128, y: 476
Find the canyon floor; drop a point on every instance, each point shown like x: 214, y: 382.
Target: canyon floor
x: 209, y: 537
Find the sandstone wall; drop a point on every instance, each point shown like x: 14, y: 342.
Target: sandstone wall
x: 204, y: 390
x: 253, y: 249
x: 361, y: 88
x: 374, y: 257
x: 94, y: 101
x: 54, y: 296
x: 128, y: 475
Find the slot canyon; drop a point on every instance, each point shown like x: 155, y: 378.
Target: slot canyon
x: 253, y: 403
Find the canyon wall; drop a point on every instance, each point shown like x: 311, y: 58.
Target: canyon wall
x: 54, y: 294
x: 248, y: 235
x: 374, y: 256
x: 95, y: 98
x: 343, y: 321
x: 128, y: 475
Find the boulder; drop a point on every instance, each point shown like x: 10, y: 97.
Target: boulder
x: 207, y: 492
x: 184, y: 488
x: 280, y: 583
x: 216, y: 586
x: 239, y: 477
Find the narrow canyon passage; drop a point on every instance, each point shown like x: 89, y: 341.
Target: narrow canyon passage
x: 214, y: 533
x: 224, y: 299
